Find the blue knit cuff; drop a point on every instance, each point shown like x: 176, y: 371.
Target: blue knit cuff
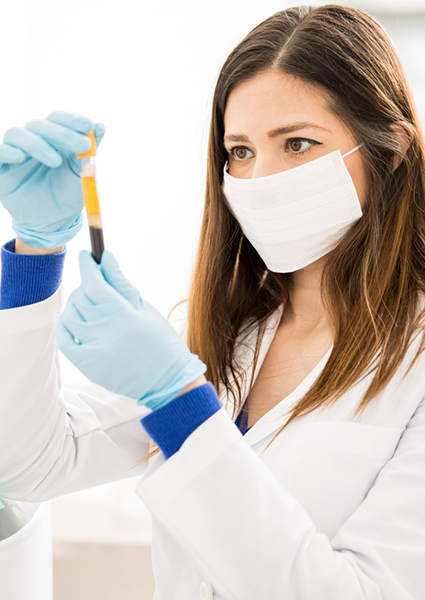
x: 170, y: 425
x: 27, y: 278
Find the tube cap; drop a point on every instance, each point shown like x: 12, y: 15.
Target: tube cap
x: 92, y: 151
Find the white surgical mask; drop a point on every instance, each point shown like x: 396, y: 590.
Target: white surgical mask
x: 295, y: 217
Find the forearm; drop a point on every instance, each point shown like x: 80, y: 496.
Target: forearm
x: 200, y: 381
x: 22, y: 248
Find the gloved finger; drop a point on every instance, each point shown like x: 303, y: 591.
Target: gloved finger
x: 76, y: 325
x: 93, y: 283
x: 66, y: 342
x: 113, y: 275
x: 59, y: 137
x: 71, y: 120
x: 33, y: 145
x: 9, y: 154
x: 78, y: 123
x: 74, y: 299
x: 99, y: 132
x: 88, y: 310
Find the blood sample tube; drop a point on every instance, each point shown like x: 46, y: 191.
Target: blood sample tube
x: 91, y: 201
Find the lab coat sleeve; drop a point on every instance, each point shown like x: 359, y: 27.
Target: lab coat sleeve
x: 253, y: 539
x: 55, y: 440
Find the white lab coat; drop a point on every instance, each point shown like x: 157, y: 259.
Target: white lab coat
x: 333, y: 510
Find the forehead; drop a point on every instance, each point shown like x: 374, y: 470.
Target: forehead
x: 273, y: 99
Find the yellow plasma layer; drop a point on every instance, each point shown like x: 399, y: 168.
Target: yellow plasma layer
x: 90, y: 195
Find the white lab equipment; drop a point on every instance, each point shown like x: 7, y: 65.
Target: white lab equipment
x: 26, y: 558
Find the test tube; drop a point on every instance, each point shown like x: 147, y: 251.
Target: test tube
x: 91, y: 201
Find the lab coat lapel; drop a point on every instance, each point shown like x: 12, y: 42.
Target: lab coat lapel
x: 275, y: 418
x: 244, y: 355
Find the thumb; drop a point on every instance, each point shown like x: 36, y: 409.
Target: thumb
x: 113, y: 275
x: 99, y: 132
x: 93, y: 283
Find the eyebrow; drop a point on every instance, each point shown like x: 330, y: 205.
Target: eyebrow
x: 235, y: 137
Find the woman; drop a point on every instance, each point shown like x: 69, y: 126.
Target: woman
x: 306, y: 304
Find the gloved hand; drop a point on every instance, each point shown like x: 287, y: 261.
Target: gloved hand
x: 124, y: 343
x: 40, y: 183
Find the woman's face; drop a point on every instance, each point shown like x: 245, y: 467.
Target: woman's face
x: 274, y: 100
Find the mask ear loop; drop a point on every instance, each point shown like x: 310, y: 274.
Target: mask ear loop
x: 353, y: 150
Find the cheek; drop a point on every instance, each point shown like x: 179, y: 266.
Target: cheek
x: 358, y: 175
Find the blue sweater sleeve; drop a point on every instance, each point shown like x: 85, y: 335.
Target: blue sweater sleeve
x: 26, y: 278
x: 171, y: 424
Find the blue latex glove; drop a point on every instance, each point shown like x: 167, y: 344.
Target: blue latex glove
x: 124, y: 343
x: 40, y: 183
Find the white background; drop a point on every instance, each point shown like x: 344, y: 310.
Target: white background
x: 147, y: 71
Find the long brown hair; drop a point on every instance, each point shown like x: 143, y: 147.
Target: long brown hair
x: 373, y: 279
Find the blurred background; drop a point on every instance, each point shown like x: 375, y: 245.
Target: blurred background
x: 147, y: 71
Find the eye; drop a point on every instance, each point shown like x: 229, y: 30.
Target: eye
x: 297, y: 142
x: 293, y: 149
x: 230, y: 152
